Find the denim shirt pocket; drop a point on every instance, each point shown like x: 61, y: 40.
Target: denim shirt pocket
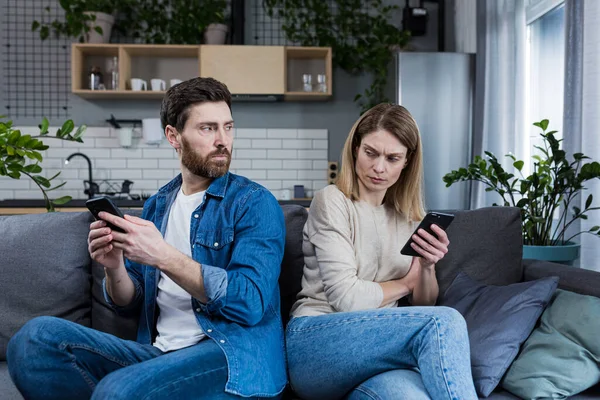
x: 215, y: 246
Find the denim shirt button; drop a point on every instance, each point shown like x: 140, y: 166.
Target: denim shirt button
x: 216, y: 244
x: 196, y: 215
x: 209, y: 330
x: 198, y: 310
x: 222, y: 341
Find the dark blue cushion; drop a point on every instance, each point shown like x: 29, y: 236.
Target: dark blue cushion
x: 499, y: 319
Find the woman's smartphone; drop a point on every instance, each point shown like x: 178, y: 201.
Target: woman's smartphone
x: 98, y: 204
x: 440, y: 219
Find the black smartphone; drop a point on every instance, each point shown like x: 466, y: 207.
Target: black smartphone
x: 440, y: 219
x: 103, y: 203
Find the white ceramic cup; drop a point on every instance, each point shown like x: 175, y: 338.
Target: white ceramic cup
x: 138, y: 84
x: 158, y: 84
x: 125, y: 135
x: 174, y: 82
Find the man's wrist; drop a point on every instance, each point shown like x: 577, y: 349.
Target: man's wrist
x: 166, y: 254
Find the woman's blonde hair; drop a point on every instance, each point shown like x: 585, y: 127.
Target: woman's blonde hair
x: 406, y: 195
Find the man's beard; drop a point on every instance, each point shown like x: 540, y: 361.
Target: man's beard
x: 205, y: 167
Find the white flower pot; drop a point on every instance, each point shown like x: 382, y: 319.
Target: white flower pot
x: 215, y: 34
x: 104, y: 21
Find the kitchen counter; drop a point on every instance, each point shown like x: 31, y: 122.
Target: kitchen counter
x: 35, y: 206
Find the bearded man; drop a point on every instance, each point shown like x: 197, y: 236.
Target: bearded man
x: 200, y: 268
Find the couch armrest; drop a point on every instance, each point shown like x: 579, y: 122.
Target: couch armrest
x: 574, y: 279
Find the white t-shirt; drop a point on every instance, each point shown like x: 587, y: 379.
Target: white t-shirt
x: 177, y: 325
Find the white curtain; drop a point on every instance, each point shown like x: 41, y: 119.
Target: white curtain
x: 500, y: 92
x: 582, y: 107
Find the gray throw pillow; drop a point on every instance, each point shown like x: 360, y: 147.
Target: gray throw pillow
x: 562, y: 356
x: 44, y: 270
x: 499, y: 319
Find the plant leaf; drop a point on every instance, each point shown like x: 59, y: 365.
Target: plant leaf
x: 32, y: 169
x: 518, y: 165
x: 44, y: 126
x: 588, y: 202
x: 67, y: 128
x: 62, y: 200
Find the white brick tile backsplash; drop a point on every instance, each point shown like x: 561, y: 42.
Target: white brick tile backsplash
x: 242, y: 143
x: 266, y: 143
x: 126, y: 153
x: 297, y: 164
x: 162, y: 164
x: 107, y: 142
x: 99, y: 153
x: 253, y: 173
x: 282, y: 133
x: 94, y: 132
x: 157, y: 153
x: 64, y: 173
x: 320, y: 165
x: 312, y: 154
x: 250, y: 154
x: 126, y: 174
x: 147, y: 185
x: 7, y: 194
x: 241, y: 133
x: 276, y: 158
x: 312, y: 174
x: 88, y: 143
x: 312, y: 134
x: 270, y: 184
x: 158, y: 174
x: 319, y: 144
x: 9, y: 183
x: 283, y: 174
x: 240, y: 164
x: 297, y: 144
x: 266, y: 164
x: 110, y: 163
x: 31, y: 194
x: 150, y: 163
x: 282, y: 154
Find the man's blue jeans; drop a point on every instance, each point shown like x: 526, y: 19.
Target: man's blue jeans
x: 51, y: 358
x: 374, y: 354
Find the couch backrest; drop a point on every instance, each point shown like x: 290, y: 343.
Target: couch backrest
x: 485, y: 243
x: 44, y: 270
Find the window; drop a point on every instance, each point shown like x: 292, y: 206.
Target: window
x: 545, y: 73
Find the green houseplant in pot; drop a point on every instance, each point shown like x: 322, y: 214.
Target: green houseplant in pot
x: 546, y: 197
x: 216, y: 31
x: 87, y: 20
x: 20, y: 155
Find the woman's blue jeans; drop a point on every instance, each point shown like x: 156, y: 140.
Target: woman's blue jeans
x: 51, y: 358
x: 374, y: 354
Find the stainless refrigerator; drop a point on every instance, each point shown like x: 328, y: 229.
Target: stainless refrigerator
x: 438, y: 89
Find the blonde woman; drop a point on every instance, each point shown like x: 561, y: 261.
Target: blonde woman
x: 347, y: 336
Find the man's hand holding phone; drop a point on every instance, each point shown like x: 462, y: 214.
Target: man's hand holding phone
x: 101, y: 247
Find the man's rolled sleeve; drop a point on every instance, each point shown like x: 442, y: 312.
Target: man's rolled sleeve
x: 215, y: 287
x: 134, y: 272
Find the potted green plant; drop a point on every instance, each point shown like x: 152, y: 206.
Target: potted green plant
x: 87, y: 20
x: 545, y: 196
x: 20, y: 155
x: 216, y: 31
x: 175, y: 21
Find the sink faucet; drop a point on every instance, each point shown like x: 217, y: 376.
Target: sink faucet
x: 92, y: 188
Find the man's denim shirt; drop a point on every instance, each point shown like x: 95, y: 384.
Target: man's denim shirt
x: 238, y: 235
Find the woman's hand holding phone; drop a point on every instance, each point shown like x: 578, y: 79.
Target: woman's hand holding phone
x: 431, y: 248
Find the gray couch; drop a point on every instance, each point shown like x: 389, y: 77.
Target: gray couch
x: 45, y: 270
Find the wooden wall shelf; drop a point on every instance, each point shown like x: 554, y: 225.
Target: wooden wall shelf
x: 246, y: 70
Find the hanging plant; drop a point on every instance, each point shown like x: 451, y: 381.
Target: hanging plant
x: 358, y: 32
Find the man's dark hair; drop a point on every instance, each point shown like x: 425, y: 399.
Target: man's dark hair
x: 175, y: 106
